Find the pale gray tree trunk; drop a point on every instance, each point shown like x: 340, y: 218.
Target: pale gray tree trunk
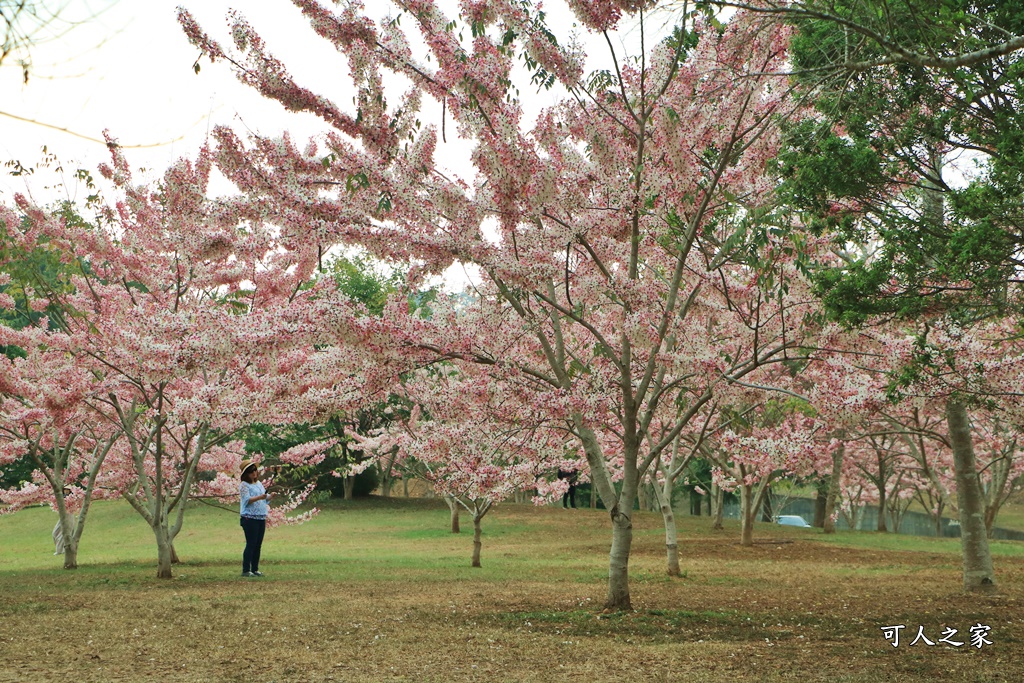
x: 748, y: 512
x: 72, y: 526
x: 67, y: 521
x: 664, y: 501
x: 832, y: 498
x: 77, y: 523
x: 349, y: 485
x: 977, y: 560
x: 620, y: 508
x: 618, y: 562
x: 386, y: 468
x: 751, y: 498
x: 165, y: 552
x: 70, y: 556
x: 453, y: 507
x: 718, y: 506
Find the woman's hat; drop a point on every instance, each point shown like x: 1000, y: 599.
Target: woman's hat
x: 246, y: 465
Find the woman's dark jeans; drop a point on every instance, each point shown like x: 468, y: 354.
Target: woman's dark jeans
x: 254, y: 530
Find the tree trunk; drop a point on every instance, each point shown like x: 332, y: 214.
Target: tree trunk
x: 694, y: 503
x: 664, y: 502
x: 71, y: 555
x: 476, y: 540
x: 881, y: 509
x: 897, y: 510
x: 620, y: 508
x: 593, y: 497
x: 453, y: 507
x: 385, y: 486
x: 767, y: 513
x: 671, y: 539
x: 718, y: 498
x: 652, y: 496
x: 748, y: 513
x: 349, y: 485
x: 829, y: 522
x: 70, y: 542
x: 174, y: 555
x: 165, y: 552
x: 405, y: 486
x: 820, y: 498
x: 977, y: 561
x: 618, y: 565
x: 990, y: 518
x: 67, y: 522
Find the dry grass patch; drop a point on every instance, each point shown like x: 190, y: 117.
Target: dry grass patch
x: 370, y: 592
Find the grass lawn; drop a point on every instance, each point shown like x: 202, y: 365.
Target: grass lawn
x: 378, y: 590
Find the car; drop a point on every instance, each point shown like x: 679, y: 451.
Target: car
x: 791, y: 520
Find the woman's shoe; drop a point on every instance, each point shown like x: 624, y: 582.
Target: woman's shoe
x: 255, y: 573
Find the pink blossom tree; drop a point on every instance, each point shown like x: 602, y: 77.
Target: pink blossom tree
x: 878, y: 456
x: 476, y: 444
x: 999, y: 464
x: 191, y: 316
x: 47, y: 418
x: 775, y: 443
x: 611, y: 231
x: 930, y: 366
x: 665, y: 472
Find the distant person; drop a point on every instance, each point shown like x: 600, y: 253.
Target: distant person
x: 58, y: 539
x: 254, y: 507
x: 569, y: 497
x: 58, y: 530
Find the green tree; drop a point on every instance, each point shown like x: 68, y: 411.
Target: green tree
x: 937, y: 34
x: 902, y: 90
x: 21, y: 276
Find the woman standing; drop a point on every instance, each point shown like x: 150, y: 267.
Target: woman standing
x: 254, y: 508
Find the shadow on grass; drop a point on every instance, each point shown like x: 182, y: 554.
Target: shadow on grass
x: 661, y: 625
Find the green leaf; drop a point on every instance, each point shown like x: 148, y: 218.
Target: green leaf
x: 356, y: 181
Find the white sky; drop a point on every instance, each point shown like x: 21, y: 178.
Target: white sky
x: 127, y: 68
